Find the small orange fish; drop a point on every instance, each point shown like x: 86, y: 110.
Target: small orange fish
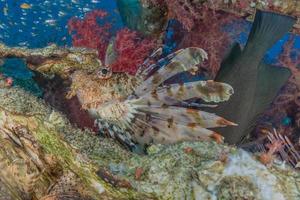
x: 25, y: 6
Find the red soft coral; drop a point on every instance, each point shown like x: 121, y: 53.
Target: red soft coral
x: 204, y: 26
x: 208, y: 33
x: 88, y: 33
x: 132, y: 50
x: 130, y: 46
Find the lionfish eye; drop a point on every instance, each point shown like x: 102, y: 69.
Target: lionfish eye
x: 104, y: 73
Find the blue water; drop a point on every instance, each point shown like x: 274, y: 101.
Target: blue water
x: 46, y: 22
x: 35, y: 27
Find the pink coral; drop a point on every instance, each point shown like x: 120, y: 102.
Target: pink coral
x: 184, y: 12
x: 132, y: 48
x: 208, y: 34
x: 204, y: 28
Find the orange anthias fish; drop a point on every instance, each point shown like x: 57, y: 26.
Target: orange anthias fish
x: 25, y: 6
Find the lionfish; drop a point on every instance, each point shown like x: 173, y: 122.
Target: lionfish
x: 142, y: 110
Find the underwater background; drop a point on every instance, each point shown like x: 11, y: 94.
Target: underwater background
x: 37, y: 23
x: 95, y: 123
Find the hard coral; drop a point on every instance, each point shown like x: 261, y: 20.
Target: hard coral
x: 130, y: 46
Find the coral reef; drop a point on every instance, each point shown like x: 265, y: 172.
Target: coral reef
x: 33, y: 155
x: 53, y: 59
x: 204, y: 27
x: 209, y: 34
x: 204, y: 20
x: 185, y: 10
x: 205, y: 23
x: 95, y: 168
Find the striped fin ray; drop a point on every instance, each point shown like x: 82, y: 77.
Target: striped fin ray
x: 209, y: 91
x: 148, y: 67
x: 162, y: 132
x: 185, y: 60
x: 186, y: 116
x: 171, y: 124
x: 147, y: 63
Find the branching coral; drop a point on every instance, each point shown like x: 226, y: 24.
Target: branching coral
x: 131, y: 47
x: 290, y: 95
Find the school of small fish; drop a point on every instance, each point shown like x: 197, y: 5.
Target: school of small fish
x: 22, y: 22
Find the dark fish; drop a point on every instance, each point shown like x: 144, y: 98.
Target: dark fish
x: 255, y: 83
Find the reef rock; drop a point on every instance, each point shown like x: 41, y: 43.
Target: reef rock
x: 44, y: 157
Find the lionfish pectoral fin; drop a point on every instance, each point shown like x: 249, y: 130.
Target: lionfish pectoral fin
x: 170, y: 124
x: 185, y: 116
x: 209, y: 91
x: 151, y: 116
x: 184, y: 60
x: 162, y: 131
